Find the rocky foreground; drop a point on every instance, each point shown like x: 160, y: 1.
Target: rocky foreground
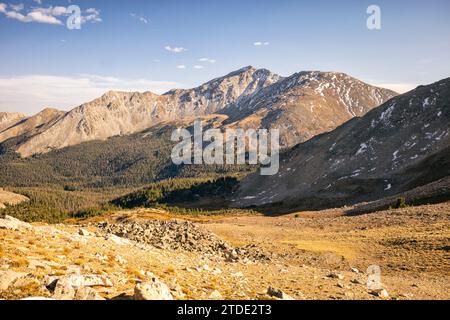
x: 322, y: 255
x: 74, y: 263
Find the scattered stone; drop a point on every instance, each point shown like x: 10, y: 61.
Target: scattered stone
x: 349, y: 295
x: 216, y: 271
x: 73, y: 270
x: 78, y: 281
x: 238, y: 274
x: 35, y: 264
x: 120, y: 260
x: 8, y: 277
x: 277, y: 293
x: 29, y: 281
x: 64, y: 290
x: 356, y: 281
x: 11, y: 223
x: 336, y: 275
x: 178, y: 235
x: 84, y: 232
x: 86, y: 293
x: 118, y: 240
x: 215, y: 295
x: 152, y: 290
x: 382, y: 293
x: 354, y: 270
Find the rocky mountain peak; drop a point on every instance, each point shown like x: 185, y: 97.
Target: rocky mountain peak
x: 402, y: 144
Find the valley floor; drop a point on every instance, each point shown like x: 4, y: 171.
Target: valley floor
x: 313, y: 255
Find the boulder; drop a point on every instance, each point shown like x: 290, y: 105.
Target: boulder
x: 64, y: 290
x: 152, y: 290
x: 8, y: 277
x: 11, y: 223
x: 84, y: 232
x: 382, y: 293
x: 336, y: 275
x: 86, y: 293
x: 277, y: 293
x: 78, y: 281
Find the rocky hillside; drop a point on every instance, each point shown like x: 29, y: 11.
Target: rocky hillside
x: 307, y: 104
x: 301, y: 106
x: 8, y: 119
x: 32, y: 125
x: 122, y: 113
x: 10, y: 198
x: 401, y: 145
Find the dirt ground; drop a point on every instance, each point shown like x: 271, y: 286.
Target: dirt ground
x: 411, y: 247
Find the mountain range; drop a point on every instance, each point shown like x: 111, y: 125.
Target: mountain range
x: 399, y: 146
x: 343, y: 141
x: 301, y: 106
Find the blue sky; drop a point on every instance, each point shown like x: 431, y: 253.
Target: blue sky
x: 156, y: 45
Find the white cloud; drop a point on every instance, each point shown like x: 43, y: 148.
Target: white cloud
x: 17, y: 7
x: 398, y: 87
x: 198, y: 67
x: 207, y: 60
x: 259, y: 43
x: 50, y: 15
x: 175, y: 49
x: 140, y: 18
x: 38, y: 1
x: 30, y: 93
x: 92, y: 15
x: 181, y: 66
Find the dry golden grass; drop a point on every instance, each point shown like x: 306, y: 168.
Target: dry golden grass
x: 409, y: 245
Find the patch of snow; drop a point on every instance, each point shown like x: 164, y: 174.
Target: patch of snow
x: 332, y: 147
x: 385, y: 115
x: 362, y: 149
x: 388, y: 187
x: 395, y: 155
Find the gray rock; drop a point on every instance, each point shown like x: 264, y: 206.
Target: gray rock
x: 77, y: 281
x: 8, y: 277
x: 336, y: 275
x: 86, y: 293
x: 152, y: 290
x: 277, y: 293
x: 84, y: 232
x: 64, y: 290
x: 382, y: 293
x: 11, y: 223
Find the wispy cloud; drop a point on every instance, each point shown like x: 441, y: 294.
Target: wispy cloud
x: 175, y: 49
x: 140, y: 18
x: 207, y: 60
x: 66, y: 92
x: 198, y: 67
x: 17, y: 7
x: 181, y: 66
x: 260, y: 43
x: 50, y: 15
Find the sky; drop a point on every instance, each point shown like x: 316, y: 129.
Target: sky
x: 157, y: 45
